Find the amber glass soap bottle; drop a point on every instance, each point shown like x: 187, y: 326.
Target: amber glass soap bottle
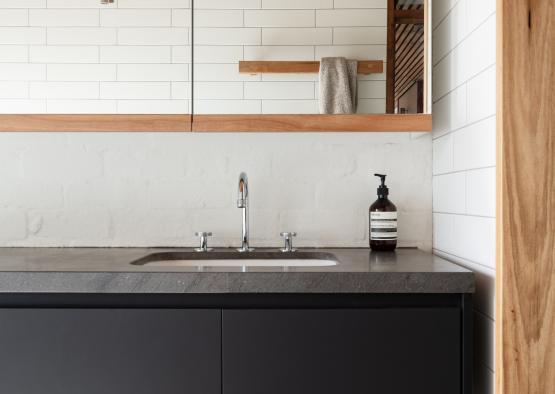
x: 383, y: 220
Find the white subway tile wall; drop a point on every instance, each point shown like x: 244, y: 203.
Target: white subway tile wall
x: 464, y: 156
x: 229, y: 31
x: 79, y: 56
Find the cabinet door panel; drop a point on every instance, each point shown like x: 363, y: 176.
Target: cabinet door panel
x: 115, y: 351
x: 382, y: 351
x: 90, y: 58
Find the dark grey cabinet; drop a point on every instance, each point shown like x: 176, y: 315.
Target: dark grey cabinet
x: 110, y: 351
x: 354, y: 351
x: 236, y: 344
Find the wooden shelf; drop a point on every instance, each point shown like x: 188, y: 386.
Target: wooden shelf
x: 215, y: 123
x: 312, y: 123
x: 95, y: 123
x: 308, y: 67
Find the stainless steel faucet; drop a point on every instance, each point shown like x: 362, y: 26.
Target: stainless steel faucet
x: 243, y: 203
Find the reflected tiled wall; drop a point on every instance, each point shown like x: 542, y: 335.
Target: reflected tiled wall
x: 464, y: 156
x: 79, y: 56
x: 133, y: 56
x: 229, y: 31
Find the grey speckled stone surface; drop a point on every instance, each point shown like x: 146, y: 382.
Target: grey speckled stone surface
x: 81, y: 270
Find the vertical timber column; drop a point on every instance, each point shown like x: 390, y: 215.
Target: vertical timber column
x: 525, y: 301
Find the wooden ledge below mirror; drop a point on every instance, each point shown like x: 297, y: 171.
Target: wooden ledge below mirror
x: 215, y: 123
x: 312, y: 123
x: 95, y: 123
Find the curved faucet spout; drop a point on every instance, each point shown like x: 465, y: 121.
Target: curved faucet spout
x: 243, y: 190
x: 243, y: 203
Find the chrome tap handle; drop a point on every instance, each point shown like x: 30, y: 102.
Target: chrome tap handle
x: 203, y: 241
x: 288, y: 238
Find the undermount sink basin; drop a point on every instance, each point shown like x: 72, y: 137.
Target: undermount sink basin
x: 235, y: 259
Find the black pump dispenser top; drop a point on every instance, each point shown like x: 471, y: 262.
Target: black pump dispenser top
x: 383, y: 191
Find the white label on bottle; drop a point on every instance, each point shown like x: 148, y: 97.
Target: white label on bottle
x: 383, y: 226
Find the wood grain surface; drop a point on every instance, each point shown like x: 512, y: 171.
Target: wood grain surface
x: 311, y: 123
x: 214, y: 123
x: 525, y: 309
x: 95, y: 123
x: 292, y: 67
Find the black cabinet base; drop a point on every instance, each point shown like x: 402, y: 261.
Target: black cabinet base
x: 236, y: 343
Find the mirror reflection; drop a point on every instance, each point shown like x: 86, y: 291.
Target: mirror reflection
x: 310, y: 57
x: 95, y: 57
x: 250, y: 57
x: 407, y: 53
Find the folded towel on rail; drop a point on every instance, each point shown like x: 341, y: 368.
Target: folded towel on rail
x: 338, y: 85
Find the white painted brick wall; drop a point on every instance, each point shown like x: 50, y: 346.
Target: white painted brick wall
x: 464, y: 156
x: 156, y: 189
x: 79, y: 56
x: 229, y: 31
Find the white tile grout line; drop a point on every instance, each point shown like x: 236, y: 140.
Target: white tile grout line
x: 465, y: 126
x: 467, y: 35
x: 485, y: 315
x: 462, y: 214
x: 464, y: 82
x: 446, y: 14
x: 471, y: 169
x: 460, y: 260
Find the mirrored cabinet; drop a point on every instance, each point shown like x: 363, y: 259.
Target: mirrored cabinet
x: 87, y: 65
x: 237, y: 65
x: 277, y: 46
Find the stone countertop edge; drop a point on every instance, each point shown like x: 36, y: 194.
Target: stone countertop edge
x: 36, y: 270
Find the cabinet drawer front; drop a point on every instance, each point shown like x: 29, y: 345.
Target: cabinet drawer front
x: 382, y: 351
x: 110, y: 351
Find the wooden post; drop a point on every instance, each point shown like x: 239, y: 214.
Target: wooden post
x: 525, y: 305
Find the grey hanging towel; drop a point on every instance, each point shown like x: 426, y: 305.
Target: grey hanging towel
x: 338, y: 85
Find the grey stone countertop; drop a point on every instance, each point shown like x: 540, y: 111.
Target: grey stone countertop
x: 109, y: 270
